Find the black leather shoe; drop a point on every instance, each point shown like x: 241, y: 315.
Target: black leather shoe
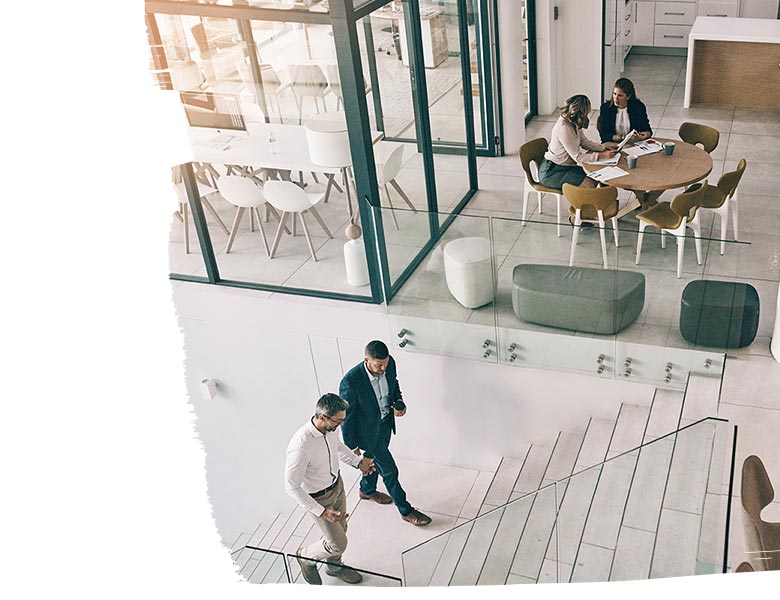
x: 377, y: 497
x: 416, y: 518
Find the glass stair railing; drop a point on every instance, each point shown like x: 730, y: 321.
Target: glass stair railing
x: 262, y: 565
x: 655, y: 511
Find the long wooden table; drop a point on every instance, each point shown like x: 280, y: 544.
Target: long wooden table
x: 657, y: 172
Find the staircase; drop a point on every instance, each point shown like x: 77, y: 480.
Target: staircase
x: 561, y: 513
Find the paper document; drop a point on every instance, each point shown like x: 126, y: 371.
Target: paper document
x: 647, y: 147
x: 629, y: 135
x: 607, y: 173
x: 607, y: 161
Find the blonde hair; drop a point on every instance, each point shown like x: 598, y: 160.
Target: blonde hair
x: 575, y: 111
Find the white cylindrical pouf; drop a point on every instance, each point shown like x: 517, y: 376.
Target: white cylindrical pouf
x: 355, y: 261
x: 468, y: 270
x: 328, y: 141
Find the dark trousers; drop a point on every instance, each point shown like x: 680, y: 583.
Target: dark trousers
x: 386, y: 467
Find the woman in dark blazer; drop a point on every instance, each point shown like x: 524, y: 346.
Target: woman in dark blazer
x: 621, y: 114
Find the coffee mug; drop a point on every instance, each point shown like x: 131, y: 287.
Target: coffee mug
x: 669, y: 148
x: 631, y: 160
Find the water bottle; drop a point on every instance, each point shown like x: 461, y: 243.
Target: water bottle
x: 272, y: 143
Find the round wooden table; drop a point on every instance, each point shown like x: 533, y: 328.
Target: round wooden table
x: 657, y: 172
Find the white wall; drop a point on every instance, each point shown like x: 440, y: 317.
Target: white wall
x: 274, y: 357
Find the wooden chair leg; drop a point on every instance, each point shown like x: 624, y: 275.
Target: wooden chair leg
x: 319, y: 220
x: 392, y: 208
x: 234, y: 230
x: 214, y: 214
x: 308, y: 237
x: 278, y: 235
x: 403, y: 195
x: 262, y: 231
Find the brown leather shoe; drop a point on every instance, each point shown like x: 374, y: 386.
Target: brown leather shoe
x: 416, y: 518
x: 377, y: 497
x: 346, y: 574
x: 309, y: 572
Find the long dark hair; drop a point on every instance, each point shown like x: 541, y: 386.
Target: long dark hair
x: 627, y: 86
x: 575, y: 111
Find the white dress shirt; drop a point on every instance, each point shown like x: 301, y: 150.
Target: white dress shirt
x: 622, y: 122
x: 313, y: 464
x: 381, y: 391
x: 570, y: 146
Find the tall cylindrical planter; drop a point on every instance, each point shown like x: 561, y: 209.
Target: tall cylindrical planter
x: 355, y: 262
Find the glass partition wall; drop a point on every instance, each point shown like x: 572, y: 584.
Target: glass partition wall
x: 302, y: 116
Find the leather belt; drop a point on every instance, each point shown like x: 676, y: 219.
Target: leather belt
x: 327, y: 489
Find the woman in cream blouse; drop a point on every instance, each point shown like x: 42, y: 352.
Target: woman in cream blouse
x: 625, y: 112
x: 569, y: 147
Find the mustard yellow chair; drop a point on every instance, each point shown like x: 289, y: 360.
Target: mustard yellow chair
x: 594, y: 205
x: 674, y: 217
x: 761, y: 537
x: 531, y: 156
x: 696, y: 133
x: 718, y: 198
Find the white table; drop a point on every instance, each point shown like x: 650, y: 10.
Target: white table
x: 291, y: 151
x: 748, y: 65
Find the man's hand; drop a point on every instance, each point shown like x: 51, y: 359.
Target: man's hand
x: 334, y: 516
x: 399, y: 413
x: 366, y: 465
x: 357, y: 451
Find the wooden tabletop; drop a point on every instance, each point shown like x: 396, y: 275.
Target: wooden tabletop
x: 658, y: 172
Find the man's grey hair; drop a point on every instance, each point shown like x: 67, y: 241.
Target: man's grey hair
x: 330, y: 404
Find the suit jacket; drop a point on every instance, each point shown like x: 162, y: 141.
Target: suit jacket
x: 361, y: 426
x: 637, y: 117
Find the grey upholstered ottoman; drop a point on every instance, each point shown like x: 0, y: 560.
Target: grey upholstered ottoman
x: 601, y: 301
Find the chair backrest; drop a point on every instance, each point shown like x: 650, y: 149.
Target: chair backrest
x: 252, y: 113
x: 240, y: 191
x: 530, y: 153
x: 696, y: 133
x: 728, y: 182
x: 286, y: 196
x: 602, y: 198
x: 392, y: 166
x: 307, y: 80
x: 757, y: 491
x: 687, y: 203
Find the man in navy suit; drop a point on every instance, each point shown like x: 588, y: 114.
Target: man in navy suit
x: 374, y: 397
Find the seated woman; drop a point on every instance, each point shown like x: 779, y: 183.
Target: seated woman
x: 569, y: 147
x: 617, y: 117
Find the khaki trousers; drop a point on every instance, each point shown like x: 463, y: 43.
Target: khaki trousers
x: 333, y: 542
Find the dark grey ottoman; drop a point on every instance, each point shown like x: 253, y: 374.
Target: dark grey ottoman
x: 602, y: 301
x: 719, y: 313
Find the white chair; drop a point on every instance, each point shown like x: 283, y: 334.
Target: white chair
x: 307, y: 81
x: 289, y: 198
x: 674, y: 218
x: 386, y: 173
x: 242, y: 193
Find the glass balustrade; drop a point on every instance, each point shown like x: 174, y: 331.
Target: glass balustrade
x: 658, y: 510
x: 368, y: 578
x: 257, y: 565
x: 630, y: 321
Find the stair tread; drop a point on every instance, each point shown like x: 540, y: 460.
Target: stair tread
x: 564, y: 456
x: 502, y: 550
x: 593, y: 564
x: 504, y: 480
x: 606, y: 511
x: 532, y: 546
x: 677, y: 544
x: 647, y: 490
x: 475, y: 549
x: 630, y: 428
x: 535, y: 465
x: 596, y: 443
x: 633, y: 555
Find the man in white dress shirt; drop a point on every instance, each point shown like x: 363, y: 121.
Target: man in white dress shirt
x: 312, y: 478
